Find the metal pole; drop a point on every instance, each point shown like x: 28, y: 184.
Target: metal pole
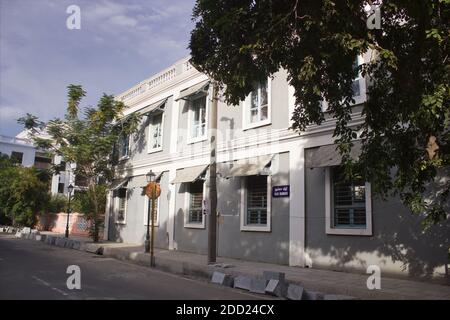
x: 212, y: 225
x: 147, y: 236
x: 152, y: 256
x: 68, y: 214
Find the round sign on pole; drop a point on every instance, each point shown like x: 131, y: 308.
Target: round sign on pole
x: 149, y: 188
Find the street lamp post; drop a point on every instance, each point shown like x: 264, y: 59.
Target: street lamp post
x: 69, y: 188
x: 151, y: 218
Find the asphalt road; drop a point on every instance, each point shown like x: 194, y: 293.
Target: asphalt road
x: 33, y: 270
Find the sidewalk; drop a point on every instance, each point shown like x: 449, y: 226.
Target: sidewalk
x: 325, y: 281
x: 329, y: 282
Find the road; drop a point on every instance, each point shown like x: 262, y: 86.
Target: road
x: 33, y: 270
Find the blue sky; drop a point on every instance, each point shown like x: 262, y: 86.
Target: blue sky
x: 121, y: 42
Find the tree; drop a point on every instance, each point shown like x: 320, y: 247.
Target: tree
x: 88, y: 142
x: 405, y: 134
x: 23, y: 193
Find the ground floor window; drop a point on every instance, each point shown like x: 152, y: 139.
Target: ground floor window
x: 121, y: 205
x: 256, y: 199
x: 348, y: 204
x: 195, y: 214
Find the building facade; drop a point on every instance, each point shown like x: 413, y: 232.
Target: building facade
x: 281, y: 198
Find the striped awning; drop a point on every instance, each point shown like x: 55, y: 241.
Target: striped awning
x: 189, y: 174
x: 328, y: 155
x: 118, y: 183
x: 249, y: 167
x: 192, y: 91
x: 153, y: 107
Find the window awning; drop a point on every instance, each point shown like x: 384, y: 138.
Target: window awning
x: 118, y: 183
x: 249, y: 167
x: 328, y: 156
x: 141, y: 180
x: 189, y: 174
x: 153, y: 107
x: 186, y: 93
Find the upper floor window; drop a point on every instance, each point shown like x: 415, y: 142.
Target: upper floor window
x: 348, y: 204
x: 123, y: 146
x: 356, y: 85
x: 17, y: 157
x: 257, y: 106
x: 198, y: 119
x: 155, y: 137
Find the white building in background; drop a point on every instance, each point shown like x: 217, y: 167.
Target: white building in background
x: 22, y: 151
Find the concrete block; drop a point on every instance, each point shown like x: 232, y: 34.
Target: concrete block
x: 76, y: 245
x: 294, y: 292
x: 222, y: 279
x: 312, y: 295
x: 268, y: 275
x: 61, y: 242
x: 18, y: 234
x: 68, y: 244
x: 337, y: 297
x: 26, y: 230
x: 276, y: 288
x: 37, y: 237
x: 242, y: 282
x: 94, y: 248
x: 258, y: 285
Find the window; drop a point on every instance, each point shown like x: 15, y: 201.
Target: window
x: 61, y: 187
x: 348, y: 207
x: 123, y: 146
x: 195, y: 202
x: 257, y: 109
x: 42, y: 161
x: 358, y: 85
x: 148, y: 210
x: 357, y: 81
x: 198, y: 119
x: 155, y: 132
x: 256, y: 202
x: 121, y: 203
x: 194, y: 205
x: 17, y: 157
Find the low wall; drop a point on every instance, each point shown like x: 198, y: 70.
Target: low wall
x: 78, y: 225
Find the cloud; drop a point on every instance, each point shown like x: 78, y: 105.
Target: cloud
x: 120, y: 44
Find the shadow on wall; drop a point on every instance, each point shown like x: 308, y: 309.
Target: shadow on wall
x: 270, y: 247
x: 398, y: 237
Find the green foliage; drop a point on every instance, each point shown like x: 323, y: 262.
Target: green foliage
x: 23, y: 193
x: 57, y: 204
x: 92, y: 203
x: 240, y: 42
x: 88, y: 141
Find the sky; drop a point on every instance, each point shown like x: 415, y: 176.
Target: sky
x: 120, y: 43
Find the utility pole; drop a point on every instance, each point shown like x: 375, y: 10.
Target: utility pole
x: 212, y: 225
